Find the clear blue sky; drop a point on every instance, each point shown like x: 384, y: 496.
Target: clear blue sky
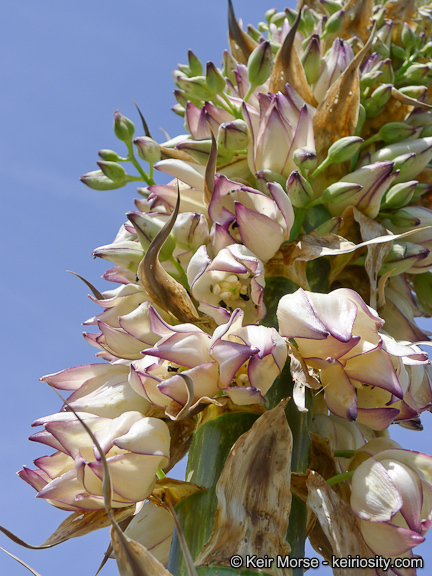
x: 66, y: 67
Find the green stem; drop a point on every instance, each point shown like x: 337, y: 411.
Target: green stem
x: 340, y: 478
x: 147, y: 179
x: 210, y: 447
x: 182, y: 274
x: 344, y: 453
x: 298, y: 223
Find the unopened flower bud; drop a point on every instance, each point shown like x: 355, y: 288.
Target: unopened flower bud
x: 179, y: 95
x: 113, y: 171
x: 291, y: 15
x: 195, y: 88
x: 422, y: 189
x: 215, y: 80
x: 344, y: 149
x: 334, y: 23
x: 270, y: 13
x: 408, y: 36
x: 260, y: 64
x: 299, y: 190
x: 418, y: 73
x: 386, y: 68
x: 147, y: 228
x: 382, y: 94
x: 278, y: 18
x: 426, y: 132
x: 423, y: 290
x: 396, y: 131
x: 340, y: 191
x: 380, y: 47
x: 110, y: 156
x: 401, y: 154
x: 369, y: 78
x: 416, y: 92
x: 400, y: 195
x: 123, y: 128
x: 331, y: 6
x: 402, y: 256
x: 403, y: 219
x: 233, y: 135
x: 307, y: 23
x: 311, y: 59
x: 97, y: 180
x: 147, y: 149
x: 229, y: 64
x: 305, y: 158
x: 191, y: 231
x: 398, y: 52
x: 195, y: 65
x: 403, y: 163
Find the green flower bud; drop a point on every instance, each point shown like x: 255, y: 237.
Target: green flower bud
x: 179, y: 110
x: 427, y: 50
x: 344, y: 149
x: 340, y: 191
x: 316, y: 216
x: 408, y: 36
x: 200, y: 151
x: 277, y: 18
x: 147, y: 149
x: 110, y: 156
x: 305, y: 158
x: 215, y: 80
x: 400, y: 195
x: 380, y: 47
x: 329, y: 226
x: 422, y: 189
x: 403, y: 219
x: 97, y: 180
x: 147, y: 228
x: 253, y: 32
x: 426, y: 132
x: 403, y: 163
x: 195, y: 88
x: 307, y: 22
x: 233, y: 135
x: 311, y: 59
x: 361, y: 120
x: 113, y: 171
x: 291, y: 15
x: 270, y: 13
x: 369, y: 79
x: 179, y: 95
x: 402, y: 256
x: 195, y: 65
x: 334, y: 23
x: 260, y: 64
x: 396, y: 131
x: 418, y: 73
x: 417, y: 92
x: 398, y: 52
x: 423, y: 289
x: 123, y: 128
x: 386, y: 67
x: 382, y: 94
x: 331, y: 6
x: 229, y: 64
x: 299, y: 190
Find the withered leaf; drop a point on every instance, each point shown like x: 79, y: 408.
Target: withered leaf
x: 288, y: 69
x: 241, y: 44
x: 252, y: 515
x: 338, y: 523
x: 94, y: 290
x: 175, y: 490
x: 161, y: 287
x: 337, y: 115
x: 408, y: 100
x: 356, y: 20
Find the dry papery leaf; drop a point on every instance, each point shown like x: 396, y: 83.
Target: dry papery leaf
x: 175, y: 490
x: 162, y: 288
x: 337, y: 115
x: 181, y: 436
x: 288, y: 69
x: 252, y: 515
x: 338, y: 523
x: 241, y: 44
x: 302, y: 378
x: 357, y: 20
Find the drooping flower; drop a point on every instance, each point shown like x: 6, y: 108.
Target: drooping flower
x: 135, y: 448
x: 392, y: 497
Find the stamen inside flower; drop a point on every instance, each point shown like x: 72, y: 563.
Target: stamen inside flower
x: 233, y: 293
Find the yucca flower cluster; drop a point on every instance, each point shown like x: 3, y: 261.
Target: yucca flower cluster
x: 263, y: 314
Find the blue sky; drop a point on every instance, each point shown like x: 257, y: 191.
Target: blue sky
x: 66, y: 67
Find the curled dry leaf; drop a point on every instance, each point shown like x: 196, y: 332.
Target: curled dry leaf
x: 337, y: 521
x: 301, y: 377
x: 252, y: 515
x: 175, y: 490
x: 337, y: 115
x: 164, y: 290
x: 181, y: 436
x: 408, y: 100
x: 357, y: 19
x: 94, y: 290
x: 241, y: 44
x: 288, y: 69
